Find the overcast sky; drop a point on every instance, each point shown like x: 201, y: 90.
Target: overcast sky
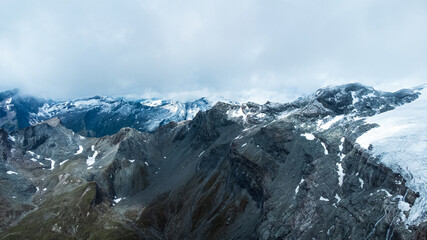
x: 243, y: 49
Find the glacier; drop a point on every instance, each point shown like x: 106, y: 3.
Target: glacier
x: 400, y: 142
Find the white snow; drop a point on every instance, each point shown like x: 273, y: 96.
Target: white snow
x: 386, y: 192
x: 361, y: 182
x: 117, y: 200
x: 44, y: 189
x: 401, y: 144
x: 37, y: 189
x: 8, y: 101
x: 355, y: 98
x: 404, y: 206
x: 236, y: 113
x: 152, y: 102
x: 341, y: 147
x: 324, y: 146
x: 132, y: 160
x: 60, y: 164
x: 12, y: 138
x: 91, y: 160
x: 369, y: 95
x: 80, y: 150
x: 244, y: 144
x: 52, y: 163
x: 173, y: 108
x: 323, y: 199
x: 201, y: 153
x: 341, y: 174
x: 328, y: 124
x: 308, y: 136
x: 337, y: 198
x: 297, y: 188
x: 11, y: 172
x: 260, y: 115
x: 33, y: 154
x: 93, y: 148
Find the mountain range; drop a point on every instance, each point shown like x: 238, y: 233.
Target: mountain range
x: 344, y: 162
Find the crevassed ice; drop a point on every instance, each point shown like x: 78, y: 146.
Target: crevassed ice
x: 400, y: 142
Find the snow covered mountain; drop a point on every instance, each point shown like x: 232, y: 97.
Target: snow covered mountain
x: 343, y: 163
x: 97, y: 116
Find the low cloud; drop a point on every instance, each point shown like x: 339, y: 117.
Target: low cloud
x: 249, y: 50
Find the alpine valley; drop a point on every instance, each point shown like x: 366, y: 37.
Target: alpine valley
x: 347, y: 162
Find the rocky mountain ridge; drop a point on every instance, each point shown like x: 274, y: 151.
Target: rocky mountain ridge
x: 96, y: 116
x: 249, y: 171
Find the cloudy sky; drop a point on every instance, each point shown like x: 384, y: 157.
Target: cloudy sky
x: 242, y: 49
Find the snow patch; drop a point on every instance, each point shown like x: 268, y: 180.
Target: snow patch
x: 404, y: 206
x: 8, y: 105
x: 361, y: 182
x: 308, y: 136
x: 61, y: 163
x: 341, y: 146
x: 152, y: 103
x: 244, y: 144
x: 133, y: 160
x: 297, y: 188
x: 337, y: 198
x: 33, y: 154
x: 341, y: 174
x: 91, y: 160
x: 386, y: 192
x: 11, y: 172
x: 324, y: 147
x: 323, y: 199
x: 236, y: 113
x: 201, y: 153
x: 52, y: 163
x: 355, y: 98
x: 79, y: 151
x: 12, y: 138
x: 328, y: 124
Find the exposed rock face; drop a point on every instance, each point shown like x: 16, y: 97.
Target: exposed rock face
x: 273, y: 171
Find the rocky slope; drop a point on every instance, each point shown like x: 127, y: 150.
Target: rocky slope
x: 272, y: 171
